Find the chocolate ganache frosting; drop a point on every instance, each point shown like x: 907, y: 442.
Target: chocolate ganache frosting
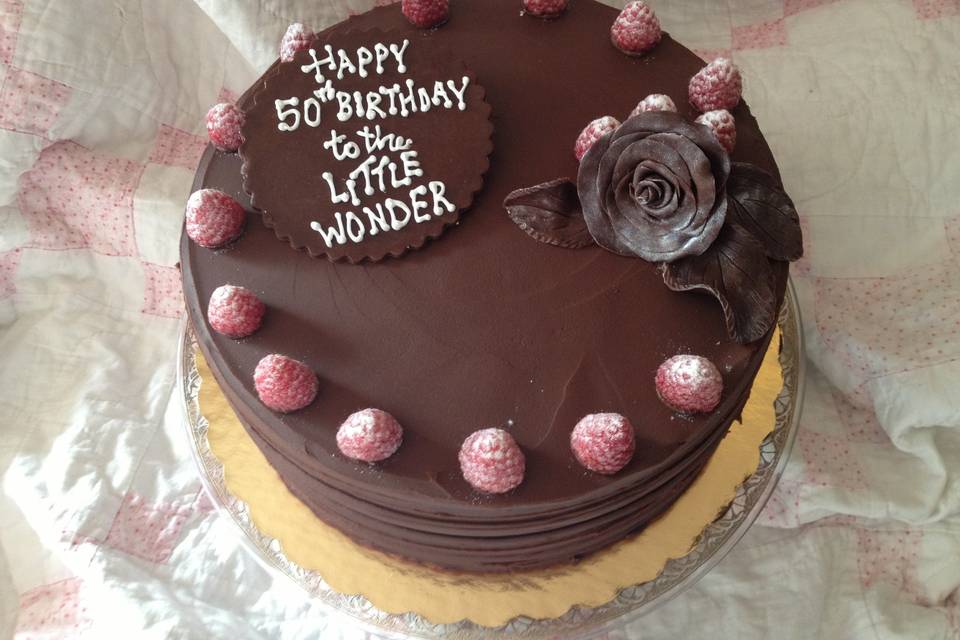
x: 481, y: 327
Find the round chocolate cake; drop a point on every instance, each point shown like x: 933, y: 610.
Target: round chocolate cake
x: 445, y: 312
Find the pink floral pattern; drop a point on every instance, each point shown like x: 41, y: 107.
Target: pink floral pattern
x: 890, y: 557
x: 933, y: 9
x: 867, y: 325
x: 829, y: 461
x: 30, y: 103
x: 177, y: 148
x: 163, y: 295
x: 146, y: 530
x: 53, y: 611
x: 75, y: 198
x: 11, y: 13
x: 759, y: 36
x: 793, y: 7
x: 9, y: 261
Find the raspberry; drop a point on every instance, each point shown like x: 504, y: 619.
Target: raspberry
x: 213, y: 218
x: 593, y: 132
x: 426, y: 13
x: 717, y: 86
x: 297, y: 38
x: 689, y: 384
x: 491, y: 461
x: 370, y: 435
x: 603, y: 442
x: 234, y: 311
x: 545, y: 8
x: 223, y: 126
x: 723, y: 126
x: 636, y: 30
x: 654, y: 102
x: 285, y: 384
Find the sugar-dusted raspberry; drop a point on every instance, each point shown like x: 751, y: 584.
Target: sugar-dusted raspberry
x: 213, y: 218
x: 297, y: 38
x: 370, y: 435
x: 723, y: 126
x: 491, y: 461
x: 717, y: 86
x: 544, y: 8
x: 689, y: 384
x: 636, y: 30
x: 426, y: 13
x: 654, y: 102
x: 285, y: 384
x: 235, y: 311
x: 593, y: 132
x: 223, y: 126
x: 603, y: 442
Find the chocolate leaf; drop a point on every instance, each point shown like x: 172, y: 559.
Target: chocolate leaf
x: 551, y: 213
x: 760, y: 205
x: 736, y: 271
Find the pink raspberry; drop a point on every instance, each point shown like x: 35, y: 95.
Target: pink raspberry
x: 213, y: 218
x: 297, y: 38
x: 223, y: 126
x: 654, y: 102
x: 426, y: 13
x: 234, y: 311
x: 717, y: 86
x: 636, y: 30
x: 545, y: 8
x: 370, y: 435
x: 603, y: 442
x: 689, y: 384
x: 491, y: 461
x: 593, y: 132
x: 723, y: 126
x: 285, y: 384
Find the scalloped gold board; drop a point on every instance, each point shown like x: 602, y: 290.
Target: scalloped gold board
x: 396, y: 586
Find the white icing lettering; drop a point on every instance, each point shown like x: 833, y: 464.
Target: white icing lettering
x: 424, y: 97
x: 438, y: 189
x: 408, y: 101
x: 345, y: 64
x: 311, y: 112
x: 355, y: 228
x: 378, y: 219
x: 364, y: 57
x: 331, y: 234
x: 391, y: 92
x: 335, y: 198
x: 397, y: 223
x: 348, y: 150
x: 381, y: 52
x: 417, y: 204
x: 376, y: 141
x: 440, y: 95
x: 316, y: 66
x: 283, y: 114
x: 461, y: 93
x: 373, y: 106
x: 397, y: 53
x: 345, y: 109
x: 411, y: 166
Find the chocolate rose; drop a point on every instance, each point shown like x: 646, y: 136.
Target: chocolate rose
x: 655, y: 188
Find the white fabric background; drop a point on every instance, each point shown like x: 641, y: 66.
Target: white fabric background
x: 104, y: 529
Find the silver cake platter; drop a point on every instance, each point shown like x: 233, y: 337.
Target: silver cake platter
x: 678, y: 575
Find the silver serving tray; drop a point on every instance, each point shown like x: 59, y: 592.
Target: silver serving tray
x: 679, y: 574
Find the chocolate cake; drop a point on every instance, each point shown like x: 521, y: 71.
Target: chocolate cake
x: 506, y: 299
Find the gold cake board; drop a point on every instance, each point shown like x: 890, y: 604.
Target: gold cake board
x: 397, y: 586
